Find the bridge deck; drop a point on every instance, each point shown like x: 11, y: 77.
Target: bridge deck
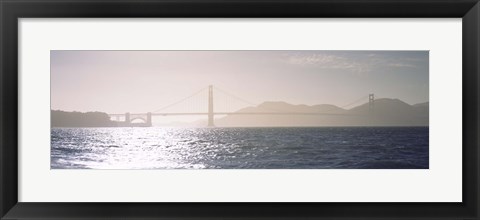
x: 240, y: 113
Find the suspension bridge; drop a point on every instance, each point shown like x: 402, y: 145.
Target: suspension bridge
x: 225, y: 104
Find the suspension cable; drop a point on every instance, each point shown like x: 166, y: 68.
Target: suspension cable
x: 180, y: 101
x: 356, y: 101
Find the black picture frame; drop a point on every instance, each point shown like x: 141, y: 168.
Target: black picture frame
x: 12, y: 10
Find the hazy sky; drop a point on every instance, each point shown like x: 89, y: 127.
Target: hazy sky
x: 143, y: 81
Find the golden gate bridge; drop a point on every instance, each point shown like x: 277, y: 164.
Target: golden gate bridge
x: 206, y: 105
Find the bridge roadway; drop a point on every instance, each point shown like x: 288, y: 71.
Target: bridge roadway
x: 239, y: 113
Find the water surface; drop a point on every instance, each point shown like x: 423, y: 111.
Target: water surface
x: 240, y: 148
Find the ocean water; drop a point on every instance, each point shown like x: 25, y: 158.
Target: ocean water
x: 240, y: 148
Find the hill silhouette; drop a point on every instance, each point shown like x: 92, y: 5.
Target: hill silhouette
x: 79, y: 119
x: 386, y: 112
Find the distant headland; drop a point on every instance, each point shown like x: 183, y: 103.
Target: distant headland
x: 80, y: 119
x: 386, y: 112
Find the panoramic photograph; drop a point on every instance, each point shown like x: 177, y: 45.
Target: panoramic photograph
x: 231, y: 109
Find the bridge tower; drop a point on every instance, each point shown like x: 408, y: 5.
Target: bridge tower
x: 210, y: 106
x: 149, y: 119
x: 371, y: 102
x: 127, y: 118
